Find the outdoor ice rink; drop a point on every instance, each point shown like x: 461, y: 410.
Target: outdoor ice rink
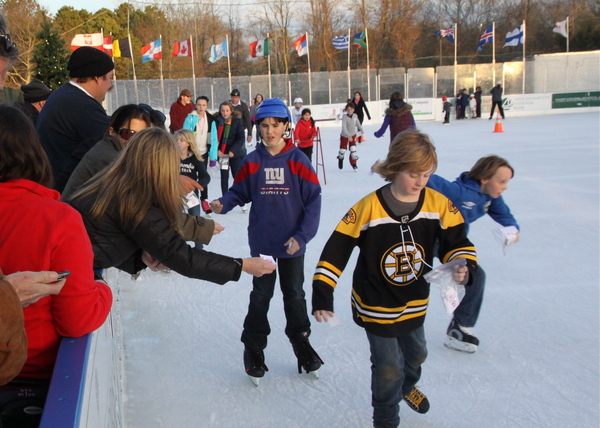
x: 538, y: 362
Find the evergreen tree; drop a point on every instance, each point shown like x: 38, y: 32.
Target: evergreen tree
x: 50, y: 56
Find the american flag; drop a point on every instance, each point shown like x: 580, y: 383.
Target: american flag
x: 486, y: 37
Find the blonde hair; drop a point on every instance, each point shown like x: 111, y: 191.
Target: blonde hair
x: 486, y: 167
x: 410, y: 150
x: 189, y: 138
x: 145, y: 174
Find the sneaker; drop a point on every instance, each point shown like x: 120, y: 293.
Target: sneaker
x: 307, y: 357
x: 340, y: 163
x: 206, y: 207
x: 417, y: 401
x: 461, y: 338
x: 254, y: 363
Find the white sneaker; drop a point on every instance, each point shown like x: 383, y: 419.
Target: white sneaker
x: 245, y: 208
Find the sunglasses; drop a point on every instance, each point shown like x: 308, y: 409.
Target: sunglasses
x: 126, y: 133
x: 9, y: 46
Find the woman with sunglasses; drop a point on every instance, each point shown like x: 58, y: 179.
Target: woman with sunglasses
x: 124, y: 123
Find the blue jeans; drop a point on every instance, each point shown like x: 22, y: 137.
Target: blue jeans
x: 291, y: 280
x: 196, y: 211
x: 395, y: 369
x: 468, y: 310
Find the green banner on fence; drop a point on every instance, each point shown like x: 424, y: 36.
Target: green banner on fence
x: 576, y: 99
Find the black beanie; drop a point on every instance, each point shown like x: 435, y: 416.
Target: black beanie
x: 89, y: 62
x: 35, y: 91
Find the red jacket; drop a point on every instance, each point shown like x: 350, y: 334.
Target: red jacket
x: 178, y: 113
x: 39, y: 233
x: 304, y: 133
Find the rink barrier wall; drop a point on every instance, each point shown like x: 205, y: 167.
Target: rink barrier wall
x: 86, y: 386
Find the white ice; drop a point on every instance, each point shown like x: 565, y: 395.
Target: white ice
x: 538, y: 362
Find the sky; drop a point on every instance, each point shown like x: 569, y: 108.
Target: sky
x: 90, y: 5
x: 538, y: 360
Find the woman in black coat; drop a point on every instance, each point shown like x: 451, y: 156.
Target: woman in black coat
x: 360, y: 106
x: 230, y: 134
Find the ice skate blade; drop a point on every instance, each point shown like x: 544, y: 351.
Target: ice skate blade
x: 457, y: 345
x: 255, y: 380
x: 315, y: 374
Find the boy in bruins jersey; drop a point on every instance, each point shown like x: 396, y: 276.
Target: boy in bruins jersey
x: 395, y: 228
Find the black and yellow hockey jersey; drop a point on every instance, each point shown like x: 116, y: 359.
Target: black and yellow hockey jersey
x: 389, y: 294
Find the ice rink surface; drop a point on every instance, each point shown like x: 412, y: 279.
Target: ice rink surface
x: 538, y: 361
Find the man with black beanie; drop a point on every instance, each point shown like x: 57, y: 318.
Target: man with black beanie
x: 35, y: 94
x: 73, y: 119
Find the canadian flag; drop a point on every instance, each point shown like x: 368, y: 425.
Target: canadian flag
x: 183, y: 48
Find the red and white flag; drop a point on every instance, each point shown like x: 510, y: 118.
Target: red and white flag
x: 183, y: 48
x: 94, y: 40
x: 108, y: 46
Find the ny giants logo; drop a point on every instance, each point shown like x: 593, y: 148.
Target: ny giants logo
x: 274, y: 176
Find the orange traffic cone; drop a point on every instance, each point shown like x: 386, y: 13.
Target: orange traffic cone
x: 498, y: 127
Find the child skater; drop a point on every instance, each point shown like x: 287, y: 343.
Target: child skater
x: 396, y: 229
x: 475, y: 193
x: 446, y: 109
x: 191, y: 165
x: 305, y: 132
x: 350, y: 124
x: 284, y: 217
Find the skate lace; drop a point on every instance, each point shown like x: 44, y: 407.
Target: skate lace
x: 257, y: 359
x: 415, y: 397
x: 465, y: 330
x: 305, y: 353
x: 402, y: 231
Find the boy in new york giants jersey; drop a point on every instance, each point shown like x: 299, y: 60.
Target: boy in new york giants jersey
x: 285, y: 193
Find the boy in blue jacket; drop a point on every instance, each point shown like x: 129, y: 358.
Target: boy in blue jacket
x: 475, y: 193
x: 285, y: 193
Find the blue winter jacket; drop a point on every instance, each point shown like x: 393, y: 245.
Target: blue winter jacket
x: 286, y: 200
x: 465, y: 193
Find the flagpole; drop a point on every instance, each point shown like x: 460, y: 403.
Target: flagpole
x: 228, y: 62
x: 309, y: 75
x: 162, y: 82
x: 567, y: 34
x: 115, y: 74
x: 269, y: 64
x: 455, y: 55
x: 137, y: 98
x: 494, y: 46
x: 349, y: 80
x: 524, y: 62
x: 193, y: 70
x: 368, y: 67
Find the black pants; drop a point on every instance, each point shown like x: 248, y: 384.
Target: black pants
x: 500, y: 109
x: 291, y: 280
x: 234, y: 166
x: 308, y: 151
x: 22, y: 402
x: 447, y: 117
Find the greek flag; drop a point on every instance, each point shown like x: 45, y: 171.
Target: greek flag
x: 341, y: 42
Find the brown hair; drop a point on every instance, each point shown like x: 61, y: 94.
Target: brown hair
x: 21, y: 154
x: 410, y: 150
x: 486, y: 167
x: 145, y: 174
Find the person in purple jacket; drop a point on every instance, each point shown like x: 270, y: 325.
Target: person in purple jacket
x: 285, y: 193
x: 475, y: 193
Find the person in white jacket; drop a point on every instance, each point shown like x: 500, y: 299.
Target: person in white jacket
x: 350, y: 125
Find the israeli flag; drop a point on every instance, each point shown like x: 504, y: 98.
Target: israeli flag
x: 341, y: 42
x: 515, y: 37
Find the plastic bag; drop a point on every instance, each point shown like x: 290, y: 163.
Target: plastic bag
x: 506, y: 236
x: 451, y: 291
x: 224, y: 162
x: 191, y: 200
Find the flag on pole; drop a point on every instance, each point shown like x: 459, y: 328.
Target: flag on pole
x: 94, y: 40
x: 152, y: 51
x: 108, y: 45
x: 341, y: 42
x: 182, y: 48
x: 561, y: 28
x: 301, y: 45
x: 259, y: 48
x: 448, y: 33
x: 218, y: 51
x: 360, y: 40
x: 486, y: 37
x: 515, y: 37
x: 121, y: 48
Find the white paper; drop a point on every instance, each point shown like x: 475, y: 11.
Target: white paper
x: 270, y: 259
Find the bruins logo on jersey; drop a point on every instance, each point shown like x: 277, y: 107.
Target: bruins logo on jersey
x: 451, y: 207
x: 350, y: 217
x: 403, y: 264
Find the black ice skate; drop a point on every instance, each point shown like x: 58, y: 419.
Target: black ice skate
x: 254, y: 363
x: 340, y: 163
x: 307, y: 357
x: 461, y: 338
x: 417, y: 401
